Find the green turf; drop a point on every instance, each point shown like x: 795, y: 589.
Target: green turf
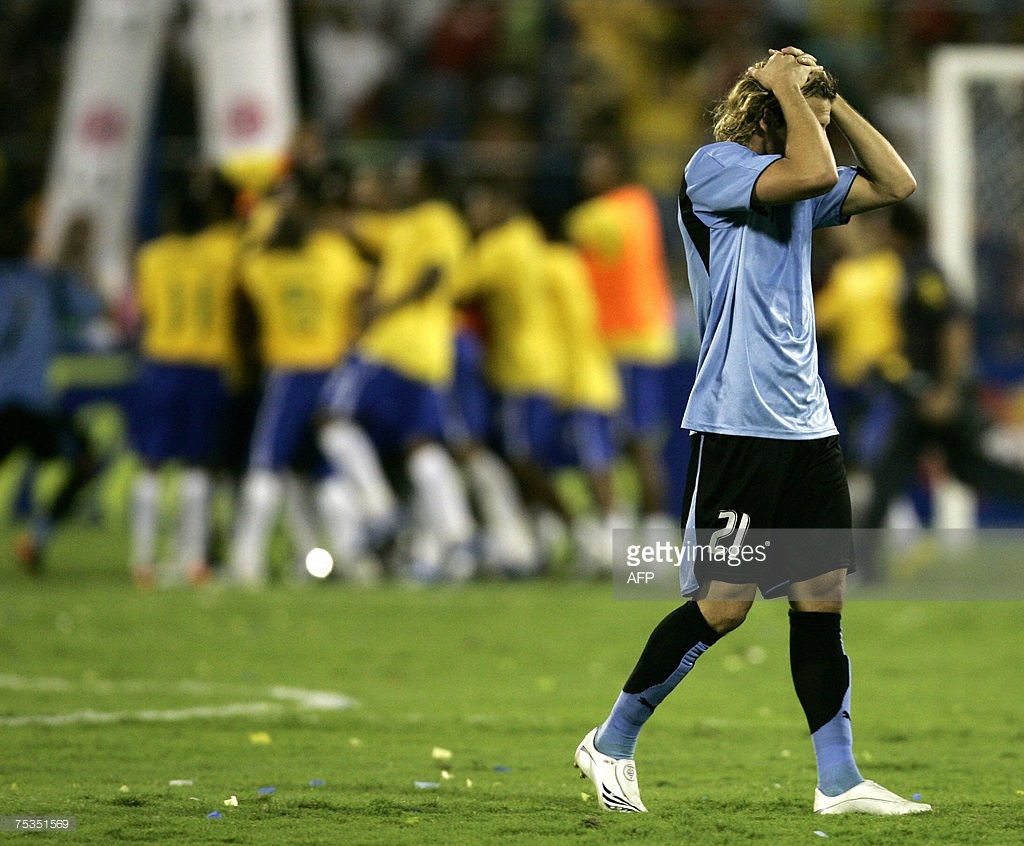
x: 506, y: 677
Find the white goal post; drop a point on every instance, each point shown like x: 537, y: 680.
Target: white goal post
x: 969, y: 158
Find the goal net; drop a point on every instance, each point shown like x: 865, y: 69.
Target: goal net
x: 975, y: 190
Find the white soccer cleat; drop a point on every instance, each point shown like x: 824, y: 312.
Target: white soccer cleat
x: 868, y: 797
x: 614, y: 778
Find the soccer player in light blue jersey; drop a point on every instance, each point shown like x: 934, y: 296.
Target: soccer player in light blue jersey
x: 765, y: 455
x: 44, y: 310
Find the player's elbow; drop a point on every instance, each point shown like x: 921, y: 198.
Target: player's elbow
x: 898, y: 188
x: 904, y: 187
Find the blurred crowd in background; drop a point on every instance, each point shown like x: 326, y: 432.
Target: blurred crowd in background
x: 506, y: 99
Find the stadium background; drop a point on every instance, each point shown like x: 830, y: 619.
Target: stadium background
x: 515, y: 87
x: 449, y: 716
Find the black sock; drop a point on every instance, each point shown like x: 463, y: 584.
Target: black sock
x: 671, y: 639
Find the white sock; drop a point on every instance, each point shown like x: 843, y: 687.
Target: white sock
x: 145, y: 518
x: 193, y: 518
x: 510, y: 541
x: 353, y: 455
x: 261, y: 498
x: 338, y: 505
x: 300, y: 519
x: 494, y: 488
x: 440, y: 494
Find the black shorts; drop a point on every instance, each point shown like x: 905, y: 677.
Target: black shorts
x: 764, y: 511
x: 46, y: 435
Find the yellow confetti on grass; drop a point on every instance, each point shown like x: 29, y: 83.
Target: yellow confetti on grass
x: 260, y: 738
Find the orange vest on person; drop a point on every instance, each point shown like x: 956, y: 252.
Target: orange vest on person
x: 629, y: 275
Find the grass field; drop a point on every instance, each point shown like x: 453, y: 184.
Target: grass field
x: 337, y: 698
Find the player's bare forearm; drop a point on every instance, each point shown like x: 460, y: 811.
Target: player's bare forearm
x: 885, y: 178
x: 807, y: 147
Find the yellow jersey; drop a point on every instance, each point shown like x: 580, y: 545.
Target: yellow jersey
x: 859, y: 309
x: 185, y: 288
x: 505, y: 271
x: 304, y: 301
x: 416, y: 338
x: 589, y: 378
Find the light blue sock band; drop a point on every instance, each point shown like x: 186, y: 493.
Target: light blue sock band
x: 618, y: 734
x: 833, y: 752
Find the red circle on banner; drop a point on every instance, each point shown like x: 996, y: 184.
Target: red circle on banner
x: 103, y: 124
x: 245, y: 118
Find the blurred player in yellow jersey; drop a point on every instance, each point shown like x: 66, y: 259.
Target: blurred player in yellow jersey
x: 588, y: 395
x: 506, y: 272
x: 302, y: 287
x: 184, y: 291
x: 393, y: 384
x: 619, y: 233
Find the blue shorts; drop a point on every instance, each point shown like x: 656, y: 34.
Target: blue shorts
x: 585, y: 440
x: 643, y: 399
x: 284, y: 435
x: 468, y: 405
x: 394, y: 410
x: 528, y: 428
x: 177, y: 412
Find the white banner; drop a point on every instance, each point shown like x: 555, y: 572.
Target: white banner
x: 248, y: 102
x: 105, y: 114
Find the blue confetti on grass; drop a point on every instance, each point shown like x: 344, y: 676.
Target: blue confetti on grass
x: 316, y: 782
x: 214, y: 815
x: 916, y: 797
x: 266, y: 791
x: 427, y: 785
x: 501, y: 769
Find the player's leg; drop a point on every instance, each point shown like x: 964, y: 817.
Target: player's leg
x: 350, y: 392
x: 153, y: 420
x: 821, y: 677
x: 891, y: 472
x: 510, y: 545
x: 145, y: 524
x: 261, y: 495
x: 280, y: 425
x: 642, y: 419
x: 819, y: 554
x: 526, y: 427
x: 586, y: 440
x: 715, y: 488
x: 338, y: 505
x: 507, y: 541
x: 203, y: 407
x: 671, y: 650
x: 605, y: 755
x: 299, y: 518
x: 50, y: 436
x: 195, y: 492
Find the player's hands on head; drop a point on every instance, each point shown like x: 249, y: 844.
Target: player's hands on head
x: 788, y: 66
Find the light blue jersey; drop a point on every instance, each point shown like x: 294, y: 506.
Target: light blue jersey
x: 749, y: 269
x: 40, y: 310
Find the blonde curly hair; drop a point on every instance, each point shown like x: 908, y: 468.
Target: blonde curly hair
x: 736, y: 117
